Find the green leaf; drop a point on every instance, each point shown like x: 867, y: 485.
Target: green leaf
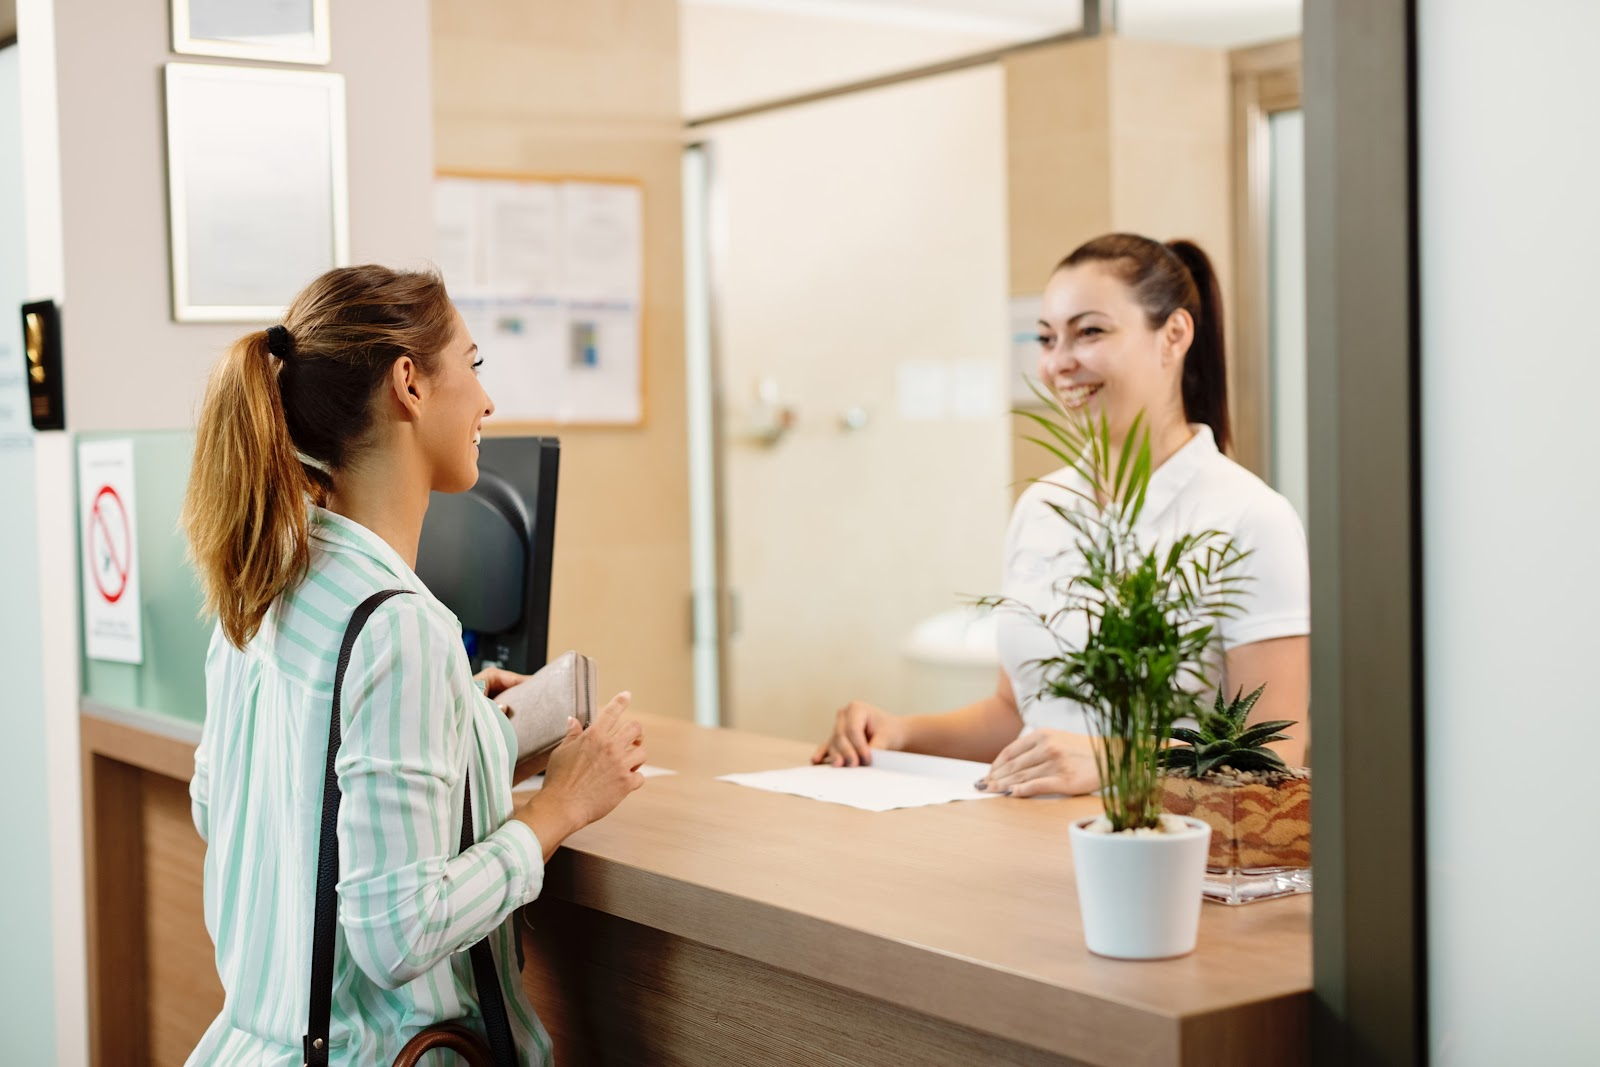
x: 1261, y: 759
x: 1175, y: 758
x: 1263, y: 733
x: 1122, y: 460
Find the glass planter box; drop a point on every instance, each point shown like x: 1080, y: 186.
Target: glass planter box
x: 1260, y: 835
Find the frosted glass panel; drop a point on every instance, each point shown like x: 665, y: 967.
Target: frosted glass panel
x: 14, y: 418
x: 26, y: 979
x: 171, y: 680
x: 1287, y: 273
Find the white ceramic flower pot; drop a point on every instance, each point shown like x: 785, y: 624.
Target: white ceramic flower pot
x: 1139, y: 895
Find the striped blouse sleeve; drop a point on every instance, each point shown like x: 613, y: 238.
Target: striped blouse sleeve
x: 407, y: 899
x: 200, y: 789
x: 200, y: 784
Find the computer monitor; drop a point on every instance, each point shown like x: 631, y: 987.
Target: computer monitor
x: 487, y: 553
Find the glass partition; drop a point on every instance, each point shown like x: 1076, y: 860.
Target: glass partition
x: 171, y: 680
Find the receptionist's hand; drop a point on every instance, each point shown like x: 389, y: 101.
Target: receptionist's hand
x: 1045, y: 762
x: 857, y: 730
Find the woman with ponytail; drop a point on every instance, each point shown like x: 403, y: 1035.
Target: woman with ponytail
x: 318, y: 445
x: 1129, y: 325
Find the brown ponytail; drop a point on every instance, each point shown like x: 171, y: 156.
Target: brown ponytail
x: 1164, y: 278
x: 243, y: 510
x: 282, y: 417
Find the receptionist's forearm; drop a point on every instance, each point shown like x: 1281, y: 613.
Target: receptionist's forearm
x: 976, y: 732
x: 1283, y: 665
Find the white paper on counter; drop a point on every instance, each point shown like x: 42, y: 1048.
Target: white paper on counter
x: 894, y: 780
x: 535, y: 782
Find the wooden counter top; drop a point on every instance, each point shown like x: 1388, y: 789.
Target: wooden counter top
x: 944, y: 934
x: 963, y: 911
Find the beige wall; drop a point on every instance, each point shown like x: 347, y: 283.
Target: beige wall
x: 95, y: 192
x: 1114, y: 134
x: 556, y: 87
x: 733, y: 57
x: 128, y: 366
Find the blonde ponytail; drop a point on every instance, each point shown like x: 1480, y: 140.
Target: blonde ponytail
x: 245, y: 509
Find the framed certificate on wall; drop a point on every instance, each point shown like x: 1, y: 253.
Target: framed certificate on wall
x: 257, y: 187
x: 283, y: 31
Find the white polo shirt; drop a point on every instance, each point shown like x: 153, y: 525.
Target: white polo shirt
x: 1197, y: 489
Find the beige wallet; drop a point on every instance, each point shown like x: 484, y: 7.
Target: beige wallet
x: 540, y: 706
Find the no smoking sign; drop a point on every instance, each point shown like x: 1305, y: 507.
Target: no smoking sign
x: 110, y: 536
x: 108, y: 546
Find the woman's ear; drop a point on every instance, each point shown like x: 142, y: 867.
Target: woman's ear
x: 1177, y: 334
x: 405, y: 384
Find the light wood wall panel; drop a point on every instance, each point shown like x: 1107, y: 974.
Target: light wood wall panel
x: 556, y: 88
x: 1058, y: 153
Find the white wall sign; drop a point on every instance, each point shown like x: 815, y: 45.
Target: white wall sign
x: 109, y: 548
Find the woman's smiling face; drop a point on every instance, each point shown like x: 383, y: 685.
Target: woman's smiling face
x: 459, y: 405
x: 1098, y: 351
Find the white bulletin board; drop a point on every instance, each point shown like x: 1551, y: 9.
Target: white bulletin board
x: 549, y: 275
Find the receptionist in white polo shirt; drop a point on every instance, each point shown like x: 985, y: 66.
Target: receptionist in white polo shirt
x: 1129, y: 324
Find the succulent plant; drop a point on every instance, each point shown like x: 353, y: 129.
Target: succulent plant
x: 1223, y: 740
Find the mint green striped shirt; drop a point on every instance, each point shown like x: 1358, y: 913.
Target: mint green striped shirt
x: 414, y: 723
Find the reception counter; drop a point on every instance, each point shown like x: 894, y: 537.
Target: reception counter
x: 706, y: 923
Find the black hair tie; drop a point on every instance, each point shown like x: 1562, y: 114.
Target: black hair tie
x: 279, y: 342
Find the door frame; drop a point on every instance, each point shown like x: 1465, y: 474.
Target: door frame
x: 1363, y: 351
x: 1266, y: 80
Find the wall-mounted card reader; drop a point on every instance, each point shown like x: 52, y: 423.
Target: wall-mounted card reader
x: 41, y: 346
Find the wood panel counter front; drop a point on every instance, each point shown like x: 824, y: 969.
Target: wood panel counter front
x: 705, y: 923
x: 718, y: 924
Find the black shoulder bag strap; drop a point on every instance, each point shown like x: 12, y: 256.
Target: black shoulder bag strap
x: 491, y: 1002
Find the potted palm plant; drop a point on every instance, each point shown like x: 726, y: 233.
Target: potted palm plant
x: 1151, y: 612
x: 1258, y: 807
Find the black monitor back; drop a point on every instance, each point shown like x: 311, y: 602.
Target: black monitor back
x: 487, y: 553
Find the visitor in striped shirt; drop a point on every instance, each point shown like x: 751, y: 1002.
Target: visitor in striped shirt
x: 318, y: 444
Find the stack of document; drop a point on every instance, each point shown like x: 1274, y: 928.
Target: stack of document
x: 894, y: 780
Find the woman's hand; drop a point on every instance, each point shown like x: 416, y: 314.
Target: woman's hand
x: 590, y: 773
x: 857, y: 730
x: 1044, y: 761
x: 497, y: 680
